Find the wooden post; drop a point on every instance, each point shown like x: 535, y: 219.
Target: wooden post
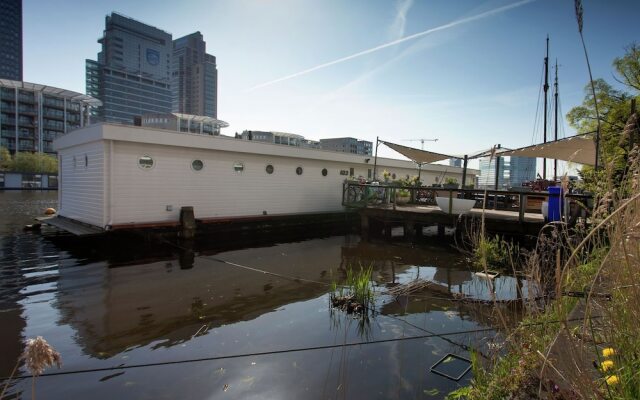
x: 523, y: 206
x: 375, y: 161
x: 450, y: 201
x: 441, y: 230
x: 497, y: 180
x: 364, y: 226
x: 464, y: 171
x: 409, y: 230
x: 187, y: 222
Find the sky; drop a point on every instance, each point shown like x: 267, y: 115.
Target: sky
x: 465, y: 72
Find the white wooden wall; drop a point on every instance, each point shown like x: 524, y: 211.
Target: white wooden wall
x: 217, y: 190
x: 81, y: 190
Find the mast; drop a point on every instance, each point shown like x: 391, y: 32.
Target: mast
x: 555, y: 124
x: 546, y: 89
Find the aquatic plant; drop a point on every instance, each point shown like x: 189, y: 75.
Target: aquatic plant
x: 494, y: 252
x: 37, y: 356
x: 356, y: 294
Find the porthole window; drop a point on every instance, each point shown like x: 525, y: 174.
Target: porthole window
x: 324, y: 172
x: 299, y: 170
x: 197, y: 165
x: 238, y: 167
x: 145, y: 162
x: 269, y: 169
x: 393, y: 175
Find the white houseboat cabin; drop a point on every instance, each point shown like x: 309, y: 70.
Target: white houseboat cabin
x: 114, y: 176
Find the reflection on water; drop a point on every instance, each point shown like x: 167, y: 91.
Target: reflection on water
x: 163, y: 305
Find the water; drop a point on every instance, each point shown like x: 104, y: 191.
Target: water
x: 192, y: 330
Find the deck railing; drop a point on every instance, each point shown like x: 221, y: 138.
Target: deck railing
x: 360, y: 195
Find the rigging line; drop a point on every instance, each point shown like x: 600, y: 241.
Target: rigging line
x: 283, y: 351
x: 293, y: 278
x: 255, y: 354
x: 535, y: 119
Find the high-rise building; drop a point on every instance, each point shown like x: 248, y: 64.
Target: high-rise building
x: 194, y: 77
x: 455, y: 162
x: 521, y: 169
x: 347, y: 145
x: 132, y: 74
x: 11, y: 39
x: 513, y: 171
x: 33, y: 115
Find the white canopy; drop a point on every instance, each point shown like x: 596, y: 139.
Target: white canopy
x: 418, y: 156
x: 577, y: 149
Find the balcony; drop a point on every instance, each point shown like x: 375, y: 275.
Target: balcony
x: 54, y: 103
x: 57, y: 125
x: 26, y: 99
x: 56, y: 114
x: 26, y: 110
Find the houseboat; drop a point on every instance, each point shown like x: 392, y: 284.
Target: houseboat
x: 116, y: 177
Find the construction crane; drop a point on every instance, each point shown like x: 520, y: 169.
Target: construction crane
x: 421, y: 141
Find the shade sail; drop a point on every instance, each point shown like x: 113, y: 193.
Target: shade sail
x: 577, y: 149
x: 419, y: 156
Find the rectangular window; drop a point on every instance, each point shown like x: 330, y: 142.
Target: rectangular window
x: 351, y: 171
x: 53, y: 181
x: 31, y: 181
x: 369, y: 173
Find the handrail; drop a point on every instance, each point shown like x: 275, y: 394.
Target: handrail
x: 362, y: 195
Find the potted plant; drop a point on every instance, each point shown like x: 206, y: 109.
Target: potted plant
x: 451, y: 183
x: 402, y: 196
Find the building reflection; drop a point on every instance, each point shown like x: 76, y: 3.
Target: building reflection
x: 169, y: 300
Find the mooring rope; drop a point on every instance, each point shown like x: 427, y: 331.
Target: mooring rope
x: 283, y: 351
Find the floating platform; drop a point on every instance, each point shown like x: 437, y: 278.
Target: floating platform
x: 69, y: 225
x: 414, y: 217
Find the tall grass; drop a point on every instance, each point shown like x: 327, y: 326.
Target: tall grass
x: 568, y: 347
x: 356, y: 294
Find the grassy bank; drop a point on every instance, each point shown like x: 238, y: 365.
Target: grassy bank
x: 581, y: 334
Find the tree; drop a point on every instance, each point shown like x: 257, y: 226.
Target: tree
x: 615, y: 110
x: 28, y: 162
x: 35, y: 163
x: 628, y: 67
x: 6, y: 162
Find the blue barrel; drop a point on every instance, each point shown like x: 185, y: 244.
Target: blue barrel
x: 555, y: 203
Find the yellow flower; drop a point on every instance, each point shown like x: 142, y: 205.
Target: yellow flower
x: 612, y: 380
x: 608, y: 352
x: 606, y: 365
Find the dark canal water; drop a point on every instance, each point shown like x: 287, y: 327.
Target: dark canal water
x: 155, y: 328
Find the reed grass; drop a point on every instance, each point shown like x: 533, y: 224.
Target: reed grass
x: 549, y: 355
x: 357, y: 292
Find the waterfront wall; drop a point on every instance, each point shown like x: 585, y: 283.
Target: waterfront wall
x: 27, y: 181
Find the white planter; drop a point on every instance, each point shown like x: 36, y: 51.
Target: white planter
x: 458, y: 206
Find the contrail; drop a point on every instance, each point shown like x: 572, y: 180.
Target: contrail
x: 395, y: 42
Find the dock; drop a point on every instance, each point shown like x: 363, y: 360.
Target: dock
x: 72, y: 226
x: 515, y: 212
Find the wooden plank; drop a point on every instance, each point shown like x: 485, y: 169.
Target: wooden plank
x: 74, y: 227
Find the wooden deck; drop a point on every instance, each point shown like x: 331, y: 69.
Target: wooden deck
x: 71, y: 226
x: 414, y: 217
x: 516, y: 212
